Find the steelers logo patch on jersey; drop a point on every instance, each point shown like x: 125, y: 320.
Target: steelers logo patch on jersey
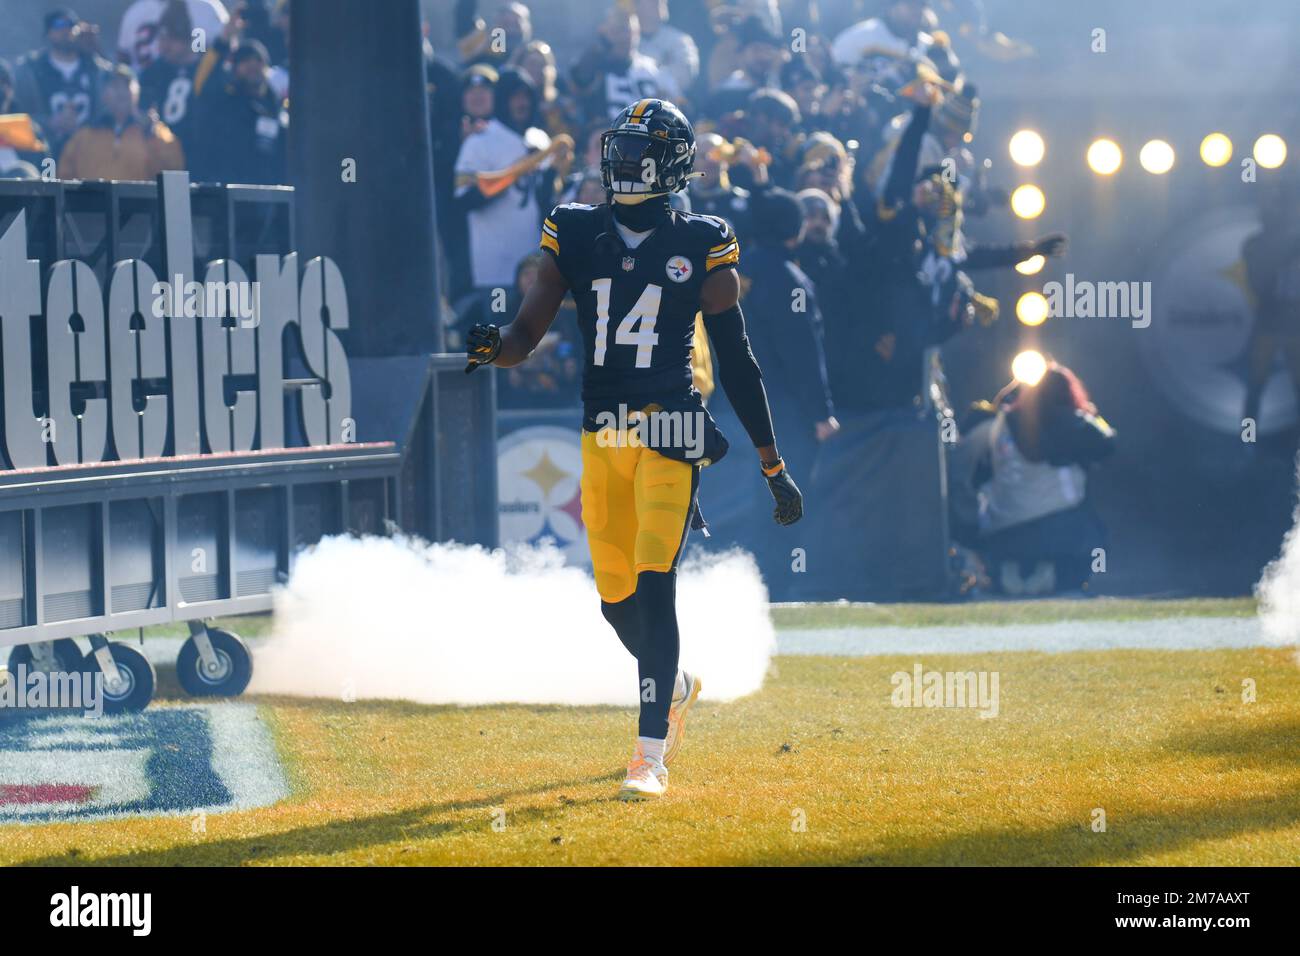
x: 679, y: 268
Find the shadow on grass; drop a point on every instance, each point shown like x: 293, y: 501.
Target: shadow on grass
x: 1244, y: 743
x: 410, y: 825
x: 1129, y: 835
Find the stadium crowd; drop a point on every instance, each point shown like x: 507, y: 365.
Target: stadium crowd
x: 842, y: 158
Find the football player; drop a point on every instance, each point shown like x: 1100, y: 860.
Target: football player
x: 639, y: 272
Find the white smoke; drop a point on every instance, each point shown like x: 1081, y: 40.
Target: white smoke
x: 1278, y: 589
x: 398, y: 618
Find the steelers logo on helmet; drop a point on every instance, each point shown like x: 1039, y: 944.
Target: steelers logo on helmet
x: 649, y: 150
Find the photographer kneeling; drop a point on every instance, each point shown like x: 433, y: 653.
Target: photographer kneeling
x: 1037, y: 529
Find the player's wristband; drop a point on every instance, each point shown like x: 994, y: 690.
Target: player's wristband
x: 772, y: 470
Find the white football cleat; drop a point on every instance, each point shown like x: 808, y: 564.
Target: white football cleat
x: 645, y: 779
x: 677, y: 716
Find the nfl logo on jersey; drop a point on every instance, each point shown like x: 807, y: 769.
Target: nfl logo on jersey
x: 628, y: 263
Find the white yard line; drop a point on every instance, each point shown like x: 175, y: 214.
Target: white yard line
x: 1183, y: 633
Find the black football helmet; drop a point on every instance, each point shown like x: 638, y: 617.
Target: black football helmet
x: 649, y: 151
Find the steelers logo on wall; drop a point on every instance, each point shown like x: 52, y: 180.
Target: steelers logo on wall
x: 538, y: 494
x: 1199, y: 344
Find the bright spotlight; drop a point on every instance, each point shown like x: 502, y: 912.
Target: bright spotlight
x: 1026, y: 148
x: 1104, y: 157
x: 1216, y: 149
x: 1032, y: 309
x: 1029, y: 368
x: 1157, y: 157
x: 1031, y: 266
x: 1270, y: 151
x: 1028, y: 201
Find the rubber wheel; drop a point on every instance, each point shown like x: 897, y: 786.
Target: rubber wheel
x: 136, y: 673
x: 234, y: 666
x: 67, y: 657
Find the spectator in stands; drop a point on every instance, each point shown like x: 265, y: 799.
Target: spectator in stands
x: 504, y: 213
x: 551, y: 378
x: 922, y: 295
x: 558, y: 113
x: 785, y: 327
x: 672, y: 49
x: 494, y: 43
x: 760, y: 53
x: 120, y: 142
x: 60, y: 85
x: 826, y: 165
x: 884, y: 50
x: 171, y: 84
x: 267, y: 22
x: 137, y: 37
x: 803, y: 82
x: 820, y: 257
x: 477, y: 98
x: 770, y: 122
x: 241, y: 123
x: 714, y: 194
x: 1037, y: 527
x: 587, y: 189
x: 20, y: 138
x: 613, y: 72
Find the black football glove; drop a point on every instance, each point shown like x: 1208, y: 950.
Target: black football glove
x: 482, y: 346
x: 789, y: 502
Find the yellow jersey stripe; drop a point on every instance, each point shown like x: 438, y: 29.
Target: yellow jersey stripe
x: 550, y: 242
x: 723, y: 259
x: 731, y: 246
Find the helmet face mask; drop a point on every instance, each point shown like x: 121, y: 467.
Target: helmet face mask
x: 648, y: 152
x: 631, y: 161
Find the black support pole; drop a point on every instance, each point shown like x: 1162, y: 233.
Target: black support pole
x: 360, y: 109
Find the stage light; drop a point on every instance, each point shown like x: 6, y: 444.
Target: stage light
x: 1032, y: 309
x: 1104, y: 157
x: 1157, y: 157
x: 1029, y: 367
x: 1216, y: 149
x: 1270, y: 151
x: 1028, y: 201
x: 1026, y: 148
x: 1031, y: 266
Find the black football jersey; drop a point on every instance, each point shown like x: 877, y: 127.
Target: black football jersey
x: 169, y: 89
x: 636, y: 307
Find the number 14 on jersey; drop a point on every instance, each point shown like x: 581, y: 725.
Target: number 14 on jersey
x: 637, y: 327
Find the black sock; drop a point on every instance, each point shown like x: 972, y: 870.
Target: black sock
x: 656, y: 600
x: 626, y: 621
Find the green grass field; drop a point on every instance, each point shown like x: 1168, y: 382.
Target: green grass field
x: 817, y: 768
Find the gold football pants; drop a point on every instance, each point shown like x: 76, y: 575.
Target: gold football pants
x: 636, y: 505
